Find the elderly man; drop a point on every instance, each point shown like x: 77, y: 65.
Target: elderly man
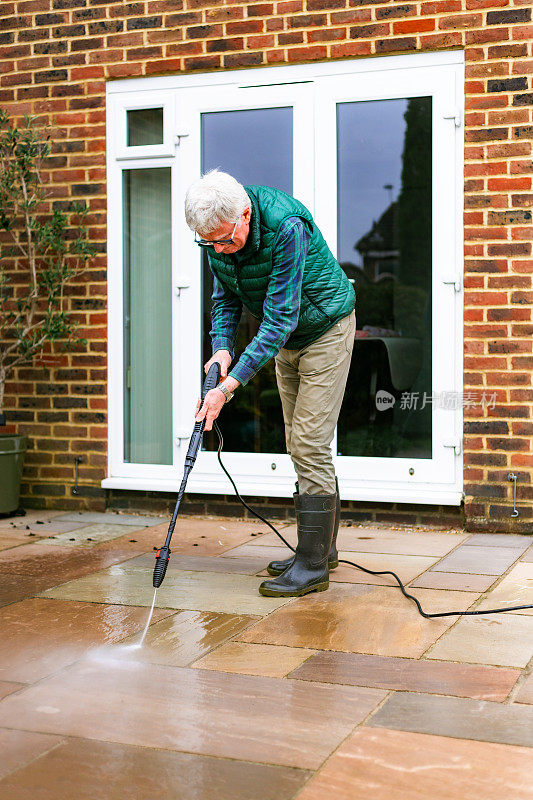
x: 266, y: 252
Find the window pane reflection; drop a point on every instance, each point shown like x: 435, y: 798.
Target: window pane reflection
x: 384, y: 246
x: 145, y: 126
x: 147, y: 317
x: 256, y: 148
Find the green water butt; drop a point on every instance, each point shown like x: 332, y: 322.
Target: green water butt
x: 12, y: 449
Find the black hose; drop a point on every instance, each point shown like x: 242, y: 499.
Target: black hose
x: 352, y: 563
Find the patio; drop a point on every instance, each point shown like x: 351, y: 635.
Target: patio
x: 235, y: 696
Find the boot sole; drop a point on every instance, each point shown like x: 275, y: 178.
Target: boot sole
x: 319, y: 587
x: 274, y: 572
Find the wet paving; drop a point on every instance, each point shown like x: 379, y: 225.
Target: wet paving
x: 235, y: 696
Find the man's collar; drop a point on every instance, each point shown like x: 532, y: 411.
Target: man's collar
x: 253, y: 240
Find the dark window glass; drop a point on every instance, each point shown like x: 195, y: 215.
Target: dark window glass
x: 384, y: 246
x: 256, y: 148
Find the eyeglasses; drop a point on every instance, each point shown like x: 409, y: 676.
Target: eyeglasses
x: 212, y: 242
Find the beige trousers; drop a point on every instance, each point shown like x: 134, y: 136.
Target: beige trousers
x: 311, y: 384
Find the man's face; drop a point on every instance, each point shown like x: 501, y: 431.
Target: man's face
x: 225, y: 232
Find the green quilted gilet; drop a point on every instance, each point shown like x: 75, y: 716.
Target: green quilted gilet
x: 327, y: 294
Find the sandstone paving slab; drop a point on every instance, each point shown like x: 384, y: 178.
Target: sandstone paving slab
x: 41, y: 636
x: 480, y: 560
x: 257, y: 550
x: 20, y: 747
x: 86, y: 770
x: 500, y: 540
x: 206, y: 537
x: 254, y: 659
x: 359, y: 619
x: 458, y: 581
x: 516, y: 589
x: 383, y: 764
x: 193, y: 710
x: 372, y: 540
x: 246, y: 566
x: 183, y: 637
x: 44, y: 527
x: 60, y: 564
x: 89, y: 535
x: 108, y: 517
x: 10, y: 539
x: 458, y: 717
x: 31, y: 517
x: 406, y: 674
x: 16, y: 587
x: 503, y: 640
x: 229, y: 593
x: 8, y: 687
x: 525, y: 694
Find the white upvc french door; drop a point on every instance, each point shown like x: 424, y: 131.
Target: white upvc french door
x: 338, y: 137
x: 233, y: 107
x: 439, y: 470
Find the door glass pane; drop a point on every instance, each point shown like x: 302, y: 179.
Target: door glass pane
x: 384, y: 246
x: 256, y: 148
x: 147, y: 316
x: 145, y: 126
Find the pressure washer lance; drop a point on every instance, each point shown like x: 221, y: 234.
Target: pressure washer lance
x: 163, y: 554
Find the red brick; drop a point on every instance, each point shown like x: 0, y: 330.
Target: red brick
x: 243, y: 60
x: 369, y: 31
x: 307, y: 53
x: 347, y: 17
x: 350, y: 49
x: 260, y: 42
x: 326, y: 35
x: 260, y: 9
x: 247, y: 26
x: 224, y: 14
x: 486, y: 35
x: 413, y: 26
x: 202, y: 62
x: 275, y: 56
x: 223, y: 45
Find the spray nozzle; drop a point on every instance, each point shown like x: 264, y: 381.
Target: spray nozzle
x: 161, y: 563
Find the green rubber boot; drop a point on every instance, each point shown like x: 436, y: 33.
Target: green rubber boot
x: 315, y: 514
x: 277, y: 567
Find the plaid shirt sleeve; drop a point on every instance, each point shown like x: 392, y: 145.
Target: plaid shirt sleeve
x: 281, y: 306
x: 226, y: 310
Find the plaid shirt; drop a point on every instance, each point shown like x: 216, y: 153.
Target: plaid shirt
x: 280, y: 309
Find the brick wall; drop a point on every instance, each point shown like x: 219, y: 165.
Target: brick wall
x: 56, y: 57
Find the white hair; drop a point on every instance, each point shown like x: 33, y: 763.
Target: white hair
x: 214, y: 199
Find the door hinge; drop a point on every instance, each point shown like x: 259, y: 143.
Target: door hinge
x: 456, y: 116
x: 182, y: 283
x: 456, y: 282
x: 457, y: 445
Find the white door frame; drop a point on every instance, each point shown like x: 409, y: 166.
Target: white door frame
x: 184, y: 97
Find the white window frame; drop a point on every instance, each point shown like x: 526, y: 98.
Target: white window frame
x: 170, y: 91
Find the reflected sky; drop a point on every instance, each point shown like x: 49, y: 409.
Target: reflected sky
x: 254, y: 146
x: 369, y: 156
